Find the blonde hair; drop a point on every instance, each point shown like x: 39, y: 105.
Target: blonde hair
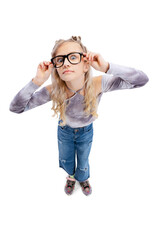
x: 59, y: 95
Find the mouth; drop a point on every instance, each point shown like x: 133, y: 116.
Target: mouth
x: 67, y: 71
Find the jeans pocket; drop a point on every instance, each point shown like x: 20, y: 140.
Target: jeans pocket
x: 64, y: 134
x: 62, y: 127
x: 90, y: 129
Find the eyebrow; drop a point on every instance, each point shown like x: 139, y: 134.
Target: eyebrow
x: 68, y: 53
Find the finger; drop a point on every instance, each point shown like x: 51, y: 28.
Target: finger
x: 94, y: 56
x: 87, y: 56
x: 85, y: 59
x: 90, y: 56
x: 48, y: 65
x: 41, y: 65
x: 45, y: 63
x: 84, y: 55
x: 51, y: 65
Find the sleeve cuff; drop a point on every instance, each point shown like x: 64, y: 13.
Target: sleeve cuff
x: 32, y: 85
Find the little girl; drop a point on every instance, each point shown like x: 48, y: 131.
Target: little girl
x: 75, y: 95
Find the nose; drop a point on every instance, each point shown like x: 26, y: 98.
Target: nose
x: 66, y: 61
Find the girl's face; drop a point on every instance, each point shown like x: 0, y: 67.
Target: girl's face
x: 77, y: 70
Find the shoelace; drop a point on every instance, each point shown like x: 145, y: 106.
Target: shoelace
x: 70, y: 183
x: 85, y: 184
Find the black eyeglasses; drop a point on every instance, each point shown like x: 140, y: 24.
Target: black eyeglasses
x: 73, y: 58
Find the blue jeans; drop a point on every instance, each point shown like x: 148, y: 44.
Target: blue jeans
x: 75, y: 142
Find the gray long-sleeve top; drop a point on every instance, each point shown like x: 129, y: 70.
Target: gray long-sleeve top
x: 117, y: 77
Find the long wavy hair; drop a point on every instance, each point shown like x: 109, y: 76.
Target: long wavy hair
x: 59, y: 94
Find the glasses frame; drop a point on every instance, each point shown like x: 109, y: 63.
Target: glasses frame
x: 67, y: 56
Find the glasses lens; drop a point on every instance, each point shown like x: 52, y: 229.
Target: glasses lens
x: 58, y: 61
x: 74, y: 58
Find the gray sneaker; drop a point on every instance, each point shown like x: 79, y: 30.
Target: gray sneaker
x: 70, y: 184
x: 86, y: 187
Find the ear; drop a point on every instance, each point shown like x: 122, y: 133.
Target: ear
x: 86, y: 67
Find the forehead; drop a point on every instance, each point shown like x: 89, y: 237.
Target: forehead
x: 68, y: 47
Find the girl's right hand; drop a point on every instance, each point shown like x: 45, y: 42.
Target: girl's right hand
x: 43, y: 71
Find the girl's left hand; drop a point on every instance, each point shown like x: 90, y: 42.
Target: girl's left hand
x: 96, y: 61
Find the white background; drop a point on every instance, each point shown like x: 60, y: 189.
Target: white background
x: 125, y: 157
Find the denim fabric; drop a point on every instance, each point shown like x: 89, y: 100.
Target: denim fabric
x: 75, y: 144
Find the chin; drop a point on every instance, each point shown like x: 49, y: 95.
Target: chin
x: 67, y: 79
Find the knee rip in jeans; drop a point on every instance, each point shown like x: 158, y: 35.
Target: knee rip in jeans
x: 63, y: 160
x: 84, y: 169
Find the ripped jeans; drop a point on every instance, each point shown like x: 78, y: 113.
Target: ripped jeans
x: 75, y: 143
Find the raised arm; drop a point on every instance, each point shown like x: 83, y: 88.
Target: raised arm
x: 116, y: 76
x: 122, y: 77
x: 27, y: 98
